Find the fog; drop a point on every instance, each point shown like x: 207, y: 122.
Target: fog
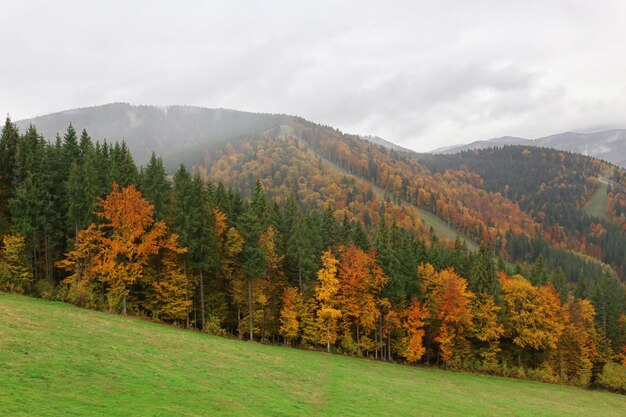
x: 420, y: 74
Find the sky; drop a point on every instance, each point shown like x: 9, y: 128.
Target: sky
x: 420, y: 74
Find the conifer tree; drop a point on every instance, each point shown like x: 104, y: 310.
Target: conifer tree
x: 71, y: 150
x: 483, y: 276
x: 252, y: 256
x: 155, y: 186
x: 9, y: 139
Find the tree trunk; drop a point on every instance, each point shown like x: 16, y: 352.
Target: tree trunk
x: 376, y: 342
x: 186, y: 297
x: 79, y: 272
x: 202, y: 315
x: 124, y: 305
x: 300, y: 279
x: 250, y: 320
x: 328, y: 337
x: 239, y: 321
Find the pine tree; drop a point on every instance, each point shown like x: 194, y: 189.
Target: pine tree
x: 8, y: 152
x: 185, y: 216
x: 252, y: 256
x: 155, y: 186
x: 71, y: 150
x: 301, y: 254
x: 85, y: 146
x: 483, y: 276
x: 122, y: 168
x: 539, y: 272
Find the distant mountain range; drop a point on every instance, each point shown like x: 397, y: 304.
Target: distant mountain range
x: 170, y: 130
x: 609, y: 145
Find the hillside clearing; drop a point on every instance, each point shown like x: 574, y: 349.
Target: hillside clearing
x: 596, y: 206
x: 56, y: 359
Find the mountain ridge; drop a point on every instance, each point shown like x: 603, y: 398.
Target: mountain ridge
x: 609, y: 145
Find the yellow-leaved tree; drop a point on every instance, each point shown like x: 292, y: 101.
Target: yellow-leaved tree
x: 326, y: 295
x: 14, y: 272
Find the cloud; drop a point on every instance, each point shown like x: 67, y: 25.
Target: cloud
x: 422, y: 74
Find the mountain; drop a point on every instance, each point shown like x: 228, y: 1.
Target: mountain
x: 163, y: 130
x: 376, y: 140
x: 609, y: 145
x: 518, y: 198
x: 257, y: 210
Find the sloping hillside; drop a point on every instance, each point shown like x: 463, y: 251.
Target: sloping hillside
x: 56, y: 359
x: 484, y: 197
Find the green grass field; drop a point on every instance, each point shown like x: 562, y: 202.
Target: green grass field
x: 56, y: 359
x: 596, y: 206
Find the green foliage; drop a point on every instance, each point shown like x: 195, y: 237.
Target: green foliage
x: 155, y: 187
x: 483, y: 276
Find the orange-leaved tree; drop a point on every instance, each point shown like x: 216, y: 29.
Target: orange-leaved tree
x: 117, y: 250
x: 413, y: 323
x: 456, y: 318
x: 360, y: 280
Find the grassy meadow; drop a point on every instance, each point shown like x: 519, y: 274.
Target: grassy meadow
x: 59, y: 360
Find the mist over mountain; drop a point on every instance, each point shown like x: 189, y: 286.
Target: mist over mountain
x: 163, y: 130
x: 609, y: 145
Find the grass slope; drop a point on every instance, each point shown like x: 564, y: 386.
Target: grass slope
x: 56, y: 359
x: 596, y: 206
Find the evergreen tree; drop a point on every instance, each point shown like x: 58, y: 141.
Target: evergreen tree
x: 252, y: 256
x: 330, y: 228
x: 155, y: 186
x: 71, y: 150
x: 359, y: 237
x: 8, y: 152
x: 123, y: 170
x: 558, y: 281
x: 301, y: 254
x: 539, y: 272
x: 85, y: 146
x: 483, y: 276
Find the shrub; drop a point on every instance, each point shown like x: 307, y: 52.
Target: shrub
x: 613, y: 377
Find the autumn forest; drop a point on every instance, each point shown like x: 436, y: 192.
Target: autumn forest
x: 307, y: 237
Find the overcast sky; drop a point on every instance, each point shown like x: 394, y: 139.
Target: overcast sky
x: 421, y: 74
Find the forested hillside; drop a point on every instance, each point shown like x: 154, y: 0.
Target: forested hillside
x: 309, y: 237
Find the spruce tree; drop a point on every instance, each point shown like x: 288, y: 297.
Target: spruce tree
x: 8, y: 152
x: 252, y: 256
x: 155, y: 186
x: 483, y: 276
x: 71, y: 150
